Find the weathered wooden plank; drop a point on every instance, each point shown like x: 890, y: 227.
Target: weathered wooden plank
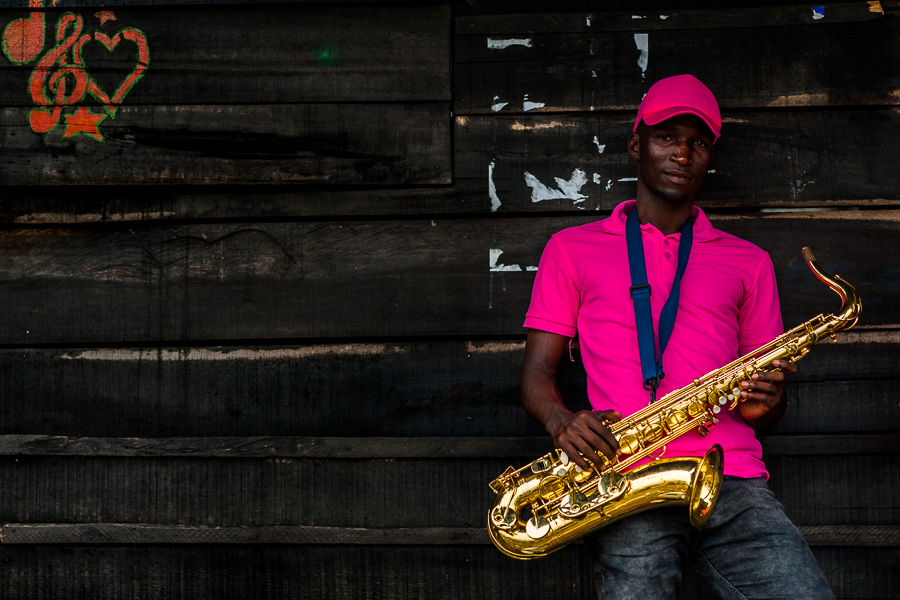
x: 115, y: 204
x: 377, y: 144
x: 831, y: 65
x: 823, y: 160
x: 247, y: 54
x: 285, y: 281
x: 845, y: 489
x: 100, y: 204
x: 387, y: 447
x: 366, y: 390
x: 138, y: 533
x: 651, y: 20
x: 28, y: 4
x: 390, y: 573
x: 777, y: 159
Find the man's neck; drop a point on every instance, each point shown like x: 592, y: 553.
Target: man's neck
x: 668, y: 218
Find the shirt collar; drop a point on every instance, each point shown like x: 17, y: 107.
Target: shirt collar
x: 615, y: 223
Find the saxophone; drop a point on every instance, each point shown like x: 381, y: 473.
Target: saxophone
x: 551, y: 502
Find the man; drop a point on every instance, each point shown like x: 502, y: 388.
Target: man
x: 726, y: 305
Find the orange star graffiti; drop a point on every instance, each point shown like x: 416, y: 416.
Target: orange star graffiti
x: 83, y: 121
x: 104, y: 16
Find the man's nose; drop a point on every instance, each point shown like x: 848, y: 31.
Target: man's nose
x: 681, y: 153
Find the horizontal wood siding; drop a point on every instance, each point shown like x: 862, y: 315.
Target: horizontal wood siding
x: 560, y: 70
x: 464, y: 277
x: 248, y: 54
x: 364, y: 573
x: 261, y: 321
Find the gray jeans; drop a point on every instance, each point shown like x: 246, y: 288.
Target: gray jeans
x: 747, y: 549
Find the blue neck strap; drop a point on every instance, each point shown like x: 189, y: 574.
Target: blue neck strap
x: 651, y: 364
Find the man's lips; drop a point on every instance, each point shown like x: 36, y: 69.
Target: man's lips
x: 679, y: 176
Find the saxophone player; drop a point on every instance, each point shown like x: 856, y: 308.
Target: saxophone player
x: 712, y: 297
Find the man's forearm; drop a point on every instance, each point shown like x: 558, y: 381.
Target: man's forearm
x: 542, y: 400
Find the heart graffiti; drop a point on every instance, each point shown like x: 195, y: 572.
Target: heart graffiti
x: 61, y: 79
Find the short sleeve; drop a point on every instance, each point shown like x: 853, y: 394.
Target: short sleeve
x: 760, y: 313
x: 556, y: 297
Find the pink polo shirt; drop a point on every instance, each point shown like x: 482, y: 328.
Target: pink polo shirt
x: 728, y: 307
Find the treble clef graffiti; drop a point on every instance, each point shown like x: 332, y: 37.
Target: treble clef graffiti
x: 52, y: 73
x: 61, y: 79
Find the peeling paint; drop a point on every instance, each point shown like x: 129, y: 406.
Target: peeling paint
x: 597, y: 179
x: 494, y: 347
x: 642, y: 41
x: 799, y: 100
x: 48, y: 217
x: 570, y: 189
x: 875, y: 7
x: 818, y: 13
x: 492, y: 189
x: 218, y: 354
x: 506, y: 43
x: 493, y: 257
x: 529, y: 105
x: 600, y: 147
x: 518, y: 126
x: 627, y: 179
x: 497, y: 106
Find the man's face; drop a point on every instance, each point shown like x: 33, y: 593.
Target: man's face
x: 673, y: 157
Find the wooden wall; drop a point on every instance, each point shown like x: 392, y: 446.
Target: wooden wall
x: 263, y: 278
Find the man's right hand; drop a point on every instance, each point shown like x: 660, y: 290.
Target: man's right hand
x: 584, y: 436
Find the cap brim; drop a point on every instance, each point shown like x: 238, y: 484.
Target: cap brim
x: 674, y: 111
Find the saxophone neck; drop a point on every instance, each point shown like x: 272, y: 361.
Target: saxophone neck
x: 851, y: 305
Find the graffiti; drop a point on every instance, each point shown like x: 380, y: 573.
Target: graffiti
x: 61, y: 80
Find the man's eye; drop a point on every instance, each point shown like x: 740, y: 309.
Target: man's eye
x: 664, y: 137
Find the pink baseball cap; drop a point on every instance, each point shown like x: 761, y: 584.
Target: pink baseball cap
x: 679, y: 95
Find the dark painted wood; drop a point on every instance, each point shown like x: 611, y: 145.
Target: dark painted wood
x: 371, y: 390
x: 99, y: 204
x: 254, y: 54
x: 833, y: 489
x: 764, y: 159
x: 133, y: 533
x: 642, y: 19
x: 247, y: 144
x: 113, y: 4
x: 387, y: 447
x: 303, y: 280
x: 305, y: 573
x: 821, y: 66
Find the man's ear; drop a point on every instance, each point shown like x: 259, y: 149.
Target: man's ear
x: 634, y: 146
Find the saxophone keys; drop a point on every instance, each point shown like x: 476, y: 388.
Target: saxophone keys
x: 573, y: 504
x: 503, y: 517
x: 541, y: 465
x: 537, y: 527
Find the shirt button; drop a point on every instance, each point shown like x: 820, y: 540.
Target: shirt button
x: 668, y: 255
x: 666, y: 242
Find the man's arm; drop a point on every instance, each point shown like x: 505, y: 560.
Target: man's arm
x: 580, y: 433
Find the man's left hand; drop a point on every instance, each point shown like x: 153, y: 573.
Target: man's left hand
x: 762, y: 397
